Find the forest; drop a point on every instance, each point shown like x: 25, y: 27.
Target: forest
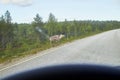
x: 21, y: 39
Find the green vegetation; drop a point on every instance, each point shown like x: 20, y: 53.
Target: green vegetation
x: 18, y: 40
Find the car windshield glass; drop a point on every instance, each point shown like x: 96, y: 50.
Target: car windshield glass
x: 39, y: 33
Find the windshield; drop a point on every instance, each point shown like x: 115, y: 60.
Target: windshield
x: 39, y: 33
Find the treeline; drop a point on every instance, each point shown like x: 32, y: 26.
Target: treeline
x: 16, y: 39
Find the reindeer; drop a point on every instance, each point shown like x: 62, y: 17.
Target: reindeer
x: 56, y: 37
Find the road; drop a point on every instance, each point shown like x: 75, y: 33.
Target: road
x: 102, y: 48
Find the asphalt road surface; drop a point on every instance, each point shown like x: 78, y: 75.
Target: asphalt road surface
x: 102, y: 49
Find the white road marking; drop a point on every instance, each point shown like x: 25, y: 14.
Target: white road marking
x: 26, y: 60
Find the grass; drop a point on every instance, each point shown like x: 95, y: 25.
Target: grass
x: 10, y: 54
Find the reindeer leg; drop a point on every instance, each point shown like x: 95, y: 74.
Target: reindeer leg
x: 51, y: 43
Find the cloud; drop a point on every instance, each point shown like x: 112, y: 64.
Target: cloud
x: 17, y: 2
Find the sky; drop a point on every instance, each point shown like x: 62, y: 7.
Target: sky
x: 23, y: 11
